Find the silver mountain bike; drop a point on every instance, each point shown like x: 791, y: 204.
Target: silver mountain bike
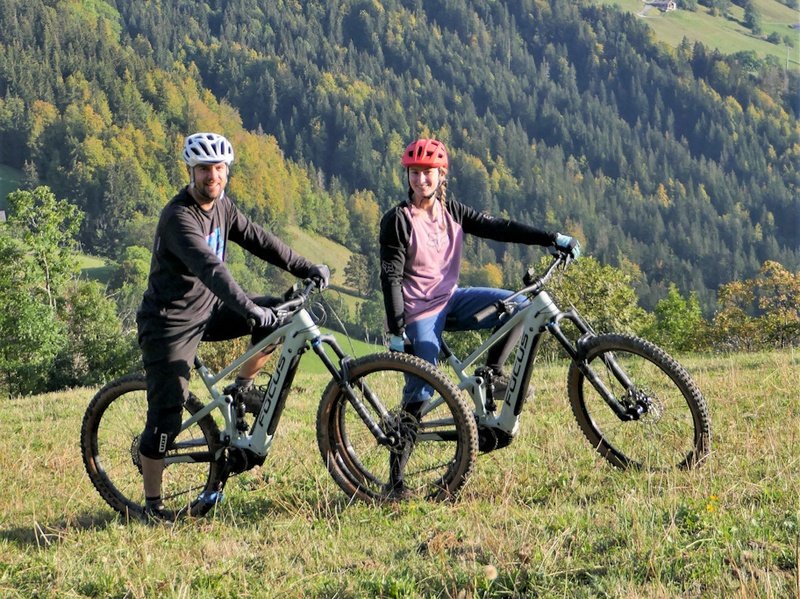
x: 360, y: 425
x: 636, y: 405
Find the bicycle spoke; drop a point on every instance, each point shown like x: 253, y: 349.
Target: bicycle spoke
x: 434, y: 445
x: 667, y: 420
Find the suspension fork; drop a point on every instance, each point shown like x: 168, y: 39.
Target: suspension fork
x: 577, y: 353
x: 342, y: 377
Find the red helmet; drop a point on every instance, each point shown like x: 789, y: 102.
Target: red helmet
x: 428, y: 153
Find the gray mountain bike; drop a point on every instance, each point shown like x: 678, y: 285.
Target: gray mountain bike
x: 360, y: 424
x: 636, y: 405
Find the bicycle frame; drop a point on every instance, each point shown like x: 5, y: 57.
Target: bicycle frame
x: 298, y: 334
x: 533, y: 318
x: 540, y: 315
x: 536, y: 317
x: 295, y: 338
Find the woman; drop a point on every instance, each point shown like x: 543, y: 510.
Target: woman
x: 421, y: 243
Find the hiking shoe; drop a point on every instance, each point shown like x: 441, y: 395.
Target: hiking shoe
x: 500, y: 381
x: 158, y: 513
x: 253, y: 398
x: 500, y: 387
x: 396, y: 491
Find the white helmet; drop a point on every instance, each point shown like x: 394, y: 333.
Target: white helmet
x: 207, y: 148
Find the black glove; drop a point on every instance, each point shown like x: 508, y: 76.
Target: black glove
x: 321, y: 274
x: 263, y: 318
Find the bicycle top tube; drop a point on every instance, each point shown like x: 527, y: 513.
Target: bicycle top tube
x: 533, y: 286
x: 295, y: 319
x: 534, y: 315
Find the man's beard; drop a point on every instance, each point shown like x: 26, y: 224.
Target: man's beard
x: 205, y: 196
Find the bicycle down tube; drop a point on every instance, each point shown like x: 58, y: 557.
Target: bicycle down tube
x: 534, y: 318
x: 296, y: 333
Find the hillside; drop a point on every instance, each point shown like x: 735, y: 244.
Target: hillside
x: 9, y: 181
x: 562, y: 114
x: 321, y: 250
x: 728, y: 34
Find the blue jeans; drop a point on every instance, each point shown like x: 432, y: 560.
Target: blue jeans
x: 426, y: 334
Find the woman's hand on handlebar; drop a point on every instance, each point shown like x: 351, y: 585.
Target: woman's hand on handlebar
x: 567, y: 245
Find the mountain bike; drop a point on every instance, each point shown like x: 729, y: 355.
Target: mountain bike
x: 360, y: 425
x: 635, y: 404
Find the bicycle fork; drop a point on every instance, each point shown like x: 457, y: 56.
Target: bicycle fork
x: 578, y: 354
x: 341, y: 376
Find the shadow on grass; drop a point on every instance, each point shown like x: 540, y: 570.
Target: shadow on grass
x: 41, y: 534
x: 291, y: 506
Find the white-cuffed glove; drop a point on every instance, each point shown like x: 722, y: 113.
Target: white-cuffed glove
x: 568, y: 245
x: 398, y: 343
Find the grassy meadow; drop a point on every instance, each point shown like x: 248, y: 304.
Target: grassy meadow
x: 544, y: 517
x: 9, y: 181
x: 727, y: 34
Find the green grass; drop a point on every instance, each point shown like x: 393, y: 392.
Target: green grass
x: 9, y: 181
x: 728, y: 35
x: 544, y: 517
x: 320, y: 250
x: 93, y: 267
x: 311, y: 364
x: 324, y: 251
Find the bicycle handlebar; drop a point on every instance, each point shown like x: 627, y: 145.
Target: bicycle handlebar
x: 533, y: 285
x: 298, y: 297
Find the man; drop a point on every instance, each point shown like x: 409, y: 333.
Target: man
x: 191, y: 296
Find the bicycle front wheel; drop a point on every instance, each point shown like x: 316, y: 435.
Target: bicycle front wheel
x: 436, y: 447
x: 112, y: 427
x: 672, y: 428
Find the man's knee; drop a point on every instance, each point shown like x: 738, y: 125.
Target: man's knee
x: 162, y: 426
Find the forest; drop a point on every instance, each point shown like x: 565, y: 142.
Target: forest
x: 677, y: 167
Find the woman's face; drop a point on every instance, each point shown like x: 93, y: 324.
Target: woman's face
x: 423, y: 181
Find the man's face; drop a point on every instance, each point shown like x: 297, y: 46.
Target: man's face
x: 210, y: 180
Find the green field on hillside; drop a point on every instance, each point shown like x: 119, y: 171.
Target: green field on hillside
x: 315, y: 248
x: 9, y: 181
x: 728, y: 34
x: 545, y: 517
x: 93, y: 267
x: 321, y: 250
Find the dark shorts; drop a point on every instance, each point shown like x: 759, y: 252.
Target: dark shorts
x: 168, y: 351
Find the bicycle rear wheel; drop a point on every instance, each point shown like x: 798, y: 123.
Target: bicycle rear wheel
x: 439, y: 444
x: 673, y: 429
x: 112, y: 426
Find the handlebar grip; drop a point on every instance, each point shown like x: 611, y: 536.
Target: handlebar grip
x: 488, y: 311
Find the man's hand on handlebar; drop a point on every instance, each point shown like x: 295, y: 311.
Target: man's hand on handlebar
x: 264, y: 318
x: 321, y: 275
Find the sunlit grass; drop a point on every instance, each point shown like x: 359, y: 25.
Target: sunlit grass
x: 544, y: 517
x: 727, y: 34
